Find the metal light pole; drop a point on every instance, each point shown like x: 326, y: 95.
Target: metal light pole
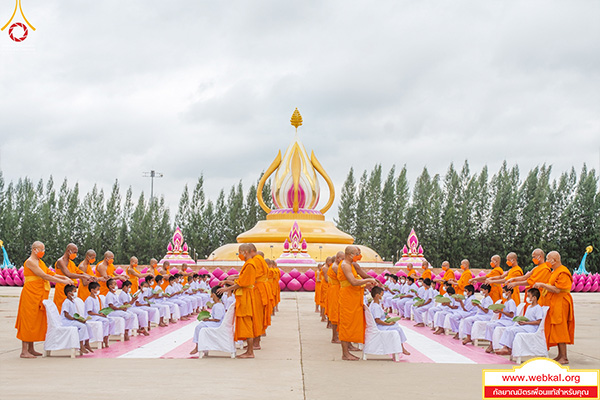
x: 152, y: 174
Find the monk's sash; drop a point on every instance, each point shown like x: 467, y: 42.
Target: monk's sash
x: 31, y: 278
x: 261, y: 279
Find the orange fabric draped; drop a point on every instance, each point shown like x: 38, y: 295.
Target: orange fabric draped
x: 426, y: 274
x: 541, y: 273
x: 447, y: 276
x: 496, y: 291
x: 465, y: 277
x: 410, y: 272
x: 82, y: 291
x: 133, y: 279
x: 317, y: 288
x: 333, y: 294
x: 59, y: 288
x: 155, y: 271
x: 264, y: 290
x: 110, y: 272
x: 352, y: 323
x: 244, y: 301
x: 31, y: 316
x: 560, y: 321
x: 513, y: 273
x: 324, y: 288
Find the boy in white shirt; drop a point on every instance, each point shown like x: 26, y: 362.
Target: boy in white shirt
x: 379, y: 317
x: 534, y: 314
x: 112, y: 301
x: 465, y: 309
x: 93, y: 305
x: 482, y: 314
x: 126, y: 298
x: 409, y: 292
x: 408, y: 306
x: 217, y: 313
x: 420, y: 311
x: 506, y: 315
x: 447, y: 308
x: 67, y: 317
x: 156, y: 312
x: 173, y: 297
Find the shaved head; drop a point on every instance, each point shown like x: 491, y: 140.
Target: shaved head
x: 512, y: 257
x: 352, y: 251
x: 425, y: 264
x: 553, y: 258
x: 496, y: 259
x: 166, y: 264
x: 108, y: 254
x: 72, y: 247
x: 260, y: 253
x: 153, y: 261
x: 465, y: 262
x: 37, y: 245
x: 90, y: 254
x: 409, y: 265
x: 133, y: 260
x: 446, y: 264
x: 339, y: 256
x: 538, y: 253
x: 245, y: 247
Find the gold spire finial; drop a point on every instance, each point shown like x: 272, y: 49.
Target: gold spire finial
x: 296, y: 119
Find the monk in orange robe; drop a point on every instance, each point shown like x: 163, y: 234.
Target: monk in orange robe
x: 324, y: 288
x: 559, y: 326
x: 134, y: 275
x: 352, y: 316
x: 514, y: 272
x: 448, y: 274
x: 318, y: 289
x: 243, y: 288
x: 465, y: 277
x: 31, y: 322
x: 541, y: 273
x: 276, y: 280
x: 496, y: 272
x: 86, y: 267
x: 106, y: 270
x: 410, y: 270
x: 66, y: 267
x: 333, y: 296
x: 154, y: 270
x: 426, y: 271
x: 264, y: 291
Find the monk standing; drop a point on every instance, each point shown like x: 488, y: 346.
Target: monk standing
x: 324, y: 288
x: 333, y: 296
x: 448, y: 274
x: 514, y: 272
x: 106, y: 270
x: 541, y: 273
x: 31, y: 316
x: 245, y: 300
x: 496, y: 272
x: 560, y: 321
x: 465, y: 277
x: 410, y: 271
x: 154, y: 270
x: 66, y: 267
x: 318, y: 289
x: 352, y: 315
x: 263, y: 292
x: 426, y: 271
x: 86, y: 267
x: 134, y: 275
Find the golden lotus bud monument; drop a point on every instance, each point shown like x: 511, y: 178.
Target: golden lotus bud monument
x: 295, y: 193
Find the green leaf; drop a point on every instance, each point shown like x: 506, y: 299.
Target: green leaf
x: 106, y: 311
x: 495, y: 307
x: 521, y: 319
x: 442, y: 300
x: 458, y: 296
x: 203, y: 315
x: 394, y: 319
x: 475, y: 301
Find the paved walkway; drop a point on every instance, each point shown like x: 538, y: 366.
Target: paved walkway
x: 297, y: 362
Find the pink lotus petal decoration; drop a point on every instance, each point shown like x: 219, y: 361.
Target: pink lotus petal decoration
x: 145, y: 270
x: 302, y: 278
x: 173, y: 271
x: 213, y: 282
x: 119, y: 271
x: 140, y: 281
x: 381, y: 278
x: 286, y: 278
x: 457, y: 275
x: 310, y: 274
x: 579, y: 287
x: 309, y: 285
x: 482, y: 273
x: 294, y: 273
x: 232, y: 271
x: 282, y: 285
x: 587, y: 287
x: 522, y: 288
x: 595, y: 287
x: 19, y: 282
x: 573, y: 286
x: 169, y: 248
x: 372, y: 273
x: 189, y: 270
x: 119, y: 283
x: 401, y: 273
x: 217, y: 272
x: 185, y: 247
x: 202, y: 271
x: 294, y: 285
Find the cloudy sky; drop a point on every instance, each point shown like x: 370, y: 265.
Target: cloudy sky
x: 105, y: 90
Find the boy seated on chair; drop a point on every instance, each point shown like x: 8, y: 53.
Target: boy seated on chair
x: 67, y: 318
x: 379, y: 317
x: 93, y: 305
x: 505, y: 316
x: 152, y: 309
x: 466, y: 309
x: 119, y: 310
x: 217, y: 313
x: 125, y: 298
x: 482, y: 314
x: 428, y: 302
x: 447, y: 309
x: 534, y: 314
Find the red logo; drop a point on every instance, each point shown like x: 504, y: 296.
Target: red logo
x: 25, y: 32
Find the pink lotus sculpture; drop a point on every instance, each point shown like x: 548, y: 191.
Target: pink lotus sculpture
x: 412, y: 252
x: 295, y: 250
x: 177, y: 250
x: 309, y: 285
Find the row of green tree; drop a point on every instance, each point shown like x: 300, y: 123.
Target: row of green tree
x: 474, y: 216
x: 460, y: 215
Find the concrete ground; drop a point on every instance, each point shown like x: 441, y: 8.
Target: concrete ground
x: 297, y: 362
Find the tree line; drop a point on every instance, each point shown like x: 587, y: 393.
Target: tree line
x: 472, y: 215
x: 460, y: 215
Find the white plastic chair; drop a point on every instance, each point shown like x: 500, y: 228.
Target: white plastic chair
x: 220, y: 338
x: 59, y: 337
x: 380, y: 342
x: 96, y: 326
x: 531, y: 344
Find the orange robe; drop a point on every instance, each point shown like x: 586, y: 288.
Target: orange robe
x: 352, y: 323
x: 465, y: 277
x: 244, y: 301
x: 110, y: 272
x: 496, y: 291
x: 447, y: 276
x: 31, y: 317
x: 82, y: 291
x: 264, y: 290
x: 155, y: 271
x: 135, y: 281
x: 276, y: 285
x: 324, y: 288
x: 333, y: 297
x: 541, y: 273
x: 411, y: 272
x: 318, y: 288
x: 560, y: 321
x: 426, y: 273
x: 59, y: 288
x: 513, y: 273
